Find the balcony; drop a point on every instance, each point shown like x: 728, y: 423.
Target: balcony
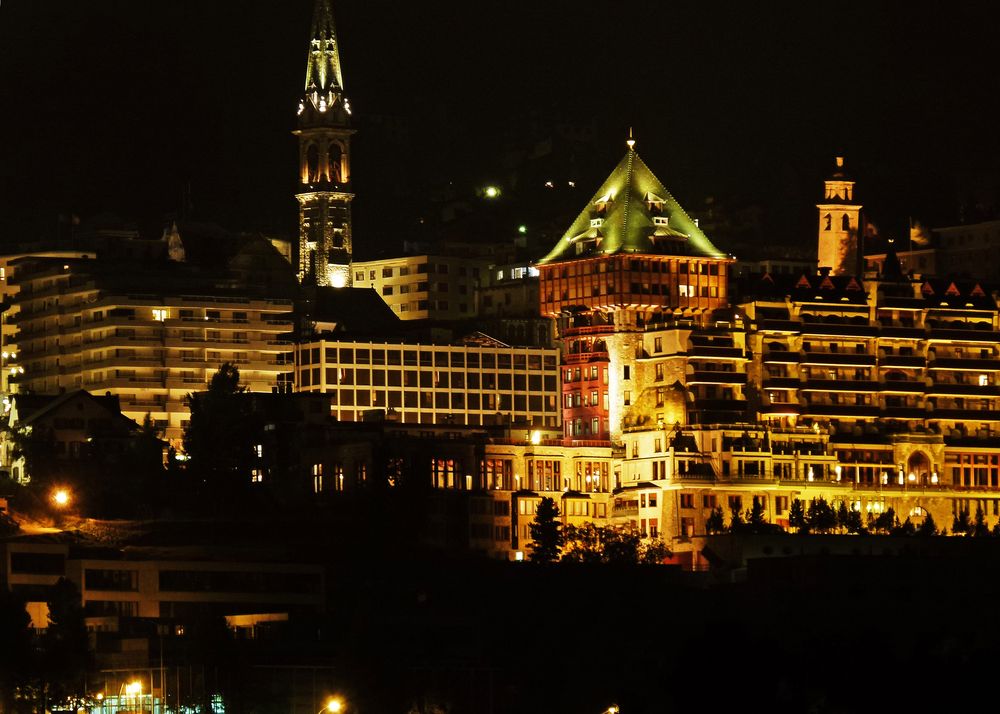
x: 967, y: 414
x: 900, y: 332
x: 951, y: 334
x: 904, y: 386
x: 782, y: 409
x: 780, y: 326
x: 971, y: 364
x: 781, y: 383
x: 904, y: 413
x: 709, y: 352
x: 703, y: 377
x: 840, y: 385
x: 781, y: 357
x: 721, y: 405
x: 902, y: 361
x: 584, y: 357
x: 859, y: 411
x: 828, y: 329
x: 945, y: 389
x: 839, y: 359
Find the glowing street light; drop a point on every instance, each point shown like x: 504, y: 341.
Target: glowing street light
x: 491, y: 192
x: 133, y: 688
x: 61, y: 497
x: 333, y: 705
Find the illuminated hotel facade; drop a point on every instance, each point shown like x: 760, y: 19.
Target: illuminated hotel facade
x: 876, y: 391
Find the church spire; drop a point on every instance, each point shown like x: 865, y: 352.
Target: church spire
x: 323, y: 65
x: 323, y: 101
x: 324, y: 133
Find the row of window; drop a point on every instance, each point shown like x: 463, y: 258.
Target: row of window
x: 398, y: 356
x: 426, y: 379
x: 404, y: 270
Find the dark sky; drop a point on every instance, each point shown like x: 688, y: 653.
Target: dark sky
x: 117, y: 105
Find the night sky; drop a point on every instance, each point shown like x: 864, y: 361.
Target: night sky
x: 117, y: 106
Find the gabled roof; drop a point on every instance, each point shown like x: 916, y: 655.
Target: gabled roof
x: 30, y: 408
x: 632, y: 212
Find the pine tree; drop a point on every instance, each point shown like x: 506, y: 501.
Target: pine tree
x: 715, y: 523
x: 797, y: 516
x: 756, y: 520
x: 979, y: 527
x: 928, y: 527
x: 962, y: 524
x: 546, y: 532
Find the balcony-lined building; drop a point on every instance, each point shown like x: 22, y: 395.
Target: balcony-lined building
x: 152, y: 331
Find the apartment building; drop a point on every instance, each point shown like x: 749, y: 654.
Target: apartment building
x: 151, y: 332
x: 420, y: 287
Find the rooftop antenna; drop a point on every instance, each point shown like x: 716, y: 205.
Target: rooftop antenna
x: 631, y: 141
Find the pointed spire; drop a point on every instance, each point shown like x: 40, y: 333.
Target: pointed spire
x: 323, y: 64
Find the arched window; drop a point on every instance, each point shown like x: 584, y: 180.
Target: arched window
x: 312, y: 163
x: 845, y: 223
x: 829, y: 219
x: 333, y: 158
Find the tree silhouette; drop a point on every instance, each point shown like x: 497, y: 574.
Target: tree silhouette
x: 546, y: 532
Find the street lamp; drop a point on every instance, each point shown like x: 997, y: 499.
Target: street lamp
x: 334, y: 705
x: 61, y: 497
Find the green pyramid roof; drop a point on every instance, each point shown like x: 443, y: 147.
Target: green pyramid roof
x: 620, y: 219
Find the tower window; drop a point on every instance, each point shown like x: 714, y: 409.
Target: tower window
x: 829, y: 222
x: 845, y: 222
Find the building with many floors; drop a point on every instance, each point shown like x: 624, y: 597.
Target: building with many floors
x: 478, y: 381
x: 678, y: 398
x: 151, y: 332
x: 420, y: 287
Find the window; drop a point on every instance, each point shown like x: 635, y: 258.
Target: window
x: 387, y: 290
x: 160, y: 314
x: 659, y: 371
x: 627, y: 396
x: 371, y: 274
x: 317, y: 471
x: 626, y: 372
x: 735, y: 503
x: 359, y: 275
x: 780, y: 504
x: 386, y: 272
x: 657, y: 344
x: 708, y: 501
x: 687, y: 500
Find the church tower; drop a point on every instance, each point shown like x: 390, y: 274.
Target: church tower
x: 324, y: 134
x: 839, y: 225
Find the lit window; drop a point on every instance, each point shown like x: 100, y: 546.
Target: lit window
x: 984, y: 380
x: 160, y: 314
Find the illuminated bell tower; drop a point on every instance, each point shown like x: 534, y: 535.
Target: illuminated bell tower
x: 839, y: 225
x: 324, y: 134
